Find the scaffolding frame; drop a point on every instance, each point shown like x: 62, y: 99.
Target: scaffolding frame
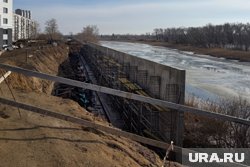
x: 141, y: 118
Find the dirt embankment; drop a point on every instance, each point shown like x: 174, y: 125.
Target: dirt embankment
x: 35, y: 140
x: 43, y: 59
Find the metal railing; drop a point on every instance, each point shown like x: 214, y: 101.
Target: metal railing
x: 127, y: 95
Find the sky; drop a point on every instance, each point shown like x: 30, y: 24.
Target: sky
x: 135, y: 16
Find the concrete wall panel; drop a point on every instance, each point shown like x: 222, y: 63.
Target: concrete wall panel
x: 161, y: 82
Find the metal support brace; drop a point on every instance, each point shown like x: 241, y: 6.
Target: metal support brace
x: 127, y: 95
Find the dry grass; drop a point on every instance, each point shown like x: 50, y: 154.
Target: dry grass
x: 207, y: 132
x: 216, y: 52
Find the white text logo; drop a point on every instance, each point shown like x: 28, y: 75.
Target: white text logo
x: 226, y: 158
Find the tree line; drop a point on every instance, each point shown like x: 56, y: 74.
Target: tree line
x: 51, y: 32
x: 230, y: 35
x: 233, y: 36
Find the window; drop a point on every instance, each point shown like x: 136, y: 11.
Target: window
x: 6, y: 1
x: 5, y: 31
x: 5, y: 21
x: 5, y: 42
x: 5, y: 10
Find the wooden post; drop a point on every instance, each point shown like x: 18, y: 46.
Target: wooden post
x: 26, y: 55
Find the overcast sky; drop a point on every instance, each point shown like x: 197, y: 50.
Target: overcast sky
x: 135, y: 16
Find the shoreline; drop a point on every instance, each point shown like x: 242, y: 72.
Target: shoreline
x: 241, y: 56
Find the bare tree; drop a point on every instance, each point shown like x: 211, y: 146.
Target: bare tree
x: 89, y: 33
x: 234, y: 36
x: 35, y: 30
x: 51, y: 29
x: 230, y: 36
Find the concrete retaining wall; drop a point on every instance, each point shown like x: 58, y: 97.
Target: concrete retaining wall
x: 171, y: 81
x: 162, y: 82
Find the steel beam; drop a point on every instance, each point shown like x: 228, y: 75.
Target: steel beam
x: 162, y: 103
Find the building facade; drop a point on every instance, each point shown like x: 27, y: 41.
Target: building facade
x: 23, y: 25
x: 6, y: 22
x: 14, y: 26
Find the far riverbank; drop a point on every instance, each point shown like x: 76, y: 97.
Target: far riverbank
x: 216, y: 52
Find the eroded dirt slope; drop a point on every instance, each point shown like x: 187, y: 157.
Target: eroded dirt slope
x: 43, y: 59
x: 36, y: 140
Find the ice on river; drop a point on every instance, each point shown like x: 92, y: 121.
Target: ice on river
x: 207, y: 77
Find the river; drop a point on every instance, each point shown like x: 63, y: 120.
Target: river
x: 207, y: 77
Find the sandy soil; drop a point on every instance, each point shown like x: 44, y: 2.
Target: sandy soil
x: 36, y: 140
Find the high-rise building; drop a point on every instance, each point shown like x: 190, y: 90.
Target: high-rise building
x: 14, y: 26
x: 23, y: 25
x: 6, y: 22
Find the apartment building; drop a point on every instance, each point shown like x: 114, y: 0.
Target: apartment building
x: 14, y: 26
x: 6, y: 22
x: 23, y: 25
